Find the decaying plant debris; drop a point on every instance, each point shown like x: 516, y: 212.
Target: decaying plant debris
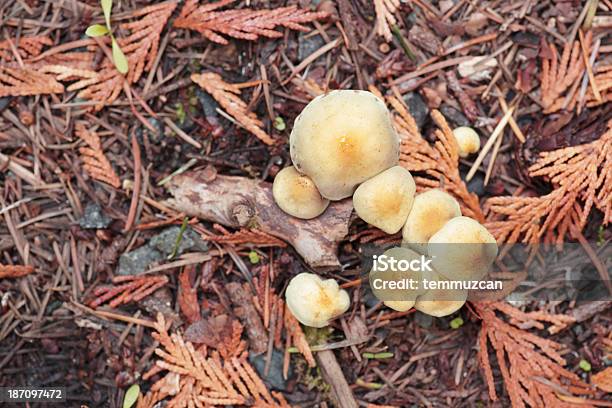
x: 140, y: 242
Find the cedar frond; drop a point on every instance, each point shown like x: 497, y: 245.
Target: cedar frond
x: 227, y: 95
x: 131, y: 289
x: 603, y: 81
x: 245, y: 24
x: 557, y: 76
x: 248, y: 236
x: 95, y: 162
x: 385, y: 18
x: 603, y: 380
x: 440, y: 161
x: 15, y: 271
x: 531, y: 366
x: 233, y: 346
x: 204, y: 381
x: 298, y: 339
x: 582, y: 178
x: 27, y: 47
x: 140, y: 48
x: 19, y: 81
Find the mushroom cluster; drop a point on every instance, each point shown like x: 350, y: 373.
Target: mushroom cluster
x: 343, y: 144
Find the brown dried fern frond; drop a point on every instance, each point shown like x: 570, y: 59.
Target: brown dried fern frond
x: 582, y: 178
x: 531, y: 366
x: 18, y: 81
x: 248, y: 236
x: 95, y: 162
x: 385, y: 18
x: 194, y: 380
x: 26, y: 47
x: 440, y: 161
x: 227, y: 95
x: 140, y: 48
x: 130, y: 289
x: 298, y: 339
x: 15, y: 271
x: 245, y: 24
x: 558, y: 75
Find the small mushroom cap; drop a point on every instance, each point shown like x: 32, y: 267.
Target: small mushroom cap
x: 463, y: 249
x: 314, y: 301
x: 400, y: 305
x: 342, y: 139
x: 297, y: 195
x: 430, y: 211
x: 385, y: 200
x: 467, y: 140
x: 440, y: 301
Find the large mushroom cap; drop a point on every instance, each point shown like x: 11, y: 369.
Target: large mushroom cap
x: 342, y: 139
x: 314, y: 301
x: 397, y: 264
x: 462, y: 249
x: 430, y: 211
x: 386, y: 199
x: 297, y: 195
x: 441, y: 300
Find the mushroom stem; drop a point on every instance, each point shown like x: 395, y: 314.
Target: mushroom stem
x: 240, y: 202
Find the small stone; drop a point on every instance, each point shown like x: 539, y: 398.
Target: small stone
x: 423, y: 320
x: 417, y: 107
x: 308, y: 45
x: 138, y: 260
x: 166, y: 241
x: 207, y: 103
x: 275, y: 374
x: 94, y: 218
x: 454, y: 116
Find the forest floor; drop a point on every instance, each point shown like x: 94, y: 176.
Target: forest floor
x: 92, y: 255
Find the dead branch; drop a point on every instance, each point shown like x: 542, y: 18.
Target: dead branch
x: 240, y: 202
x: 332, y: 373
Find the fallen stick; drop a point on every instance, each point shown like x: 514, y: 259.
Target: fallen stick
x: 332, y: 373
x: 240, y: 202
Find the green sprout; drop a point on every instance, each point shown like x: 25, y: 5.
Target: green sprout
x: 456, y: 323
x: 254, y: 257
x: 98, y: 30
x: 584, y: 365
x: 279, y: 124
x: 131, y: 396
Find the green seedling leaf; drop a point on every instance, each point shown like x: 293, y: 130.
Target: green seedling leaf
x: 584, y: 366
x: 131, y: 396
x: 119, y: 58
x: 96, y: 30
x: 107, y: 5
x: 254, y: 257
x: 279, y: 124
x: 456, y: 323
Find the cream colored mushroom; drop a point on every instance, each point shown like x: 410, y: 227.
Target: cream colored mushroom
x: 430, y: 211
x: 467, y: 140
x: 297, y: 195
x: 385, y: 200
x: 314, y: 301
x: 403, y: 265
x: 444, y: 297
x: 342, y: 139
x: 462, y: 249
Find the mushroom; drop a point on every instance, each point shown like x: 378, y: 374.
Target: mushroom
x: 440, y: 301
x: 314, y: 301
x: 396, y: 265
x: 297, y: 195
x: 468, y: 140
x: 342, y: 139
x: 462, y: 249
x: 386, y: 199
x: 430, y: 211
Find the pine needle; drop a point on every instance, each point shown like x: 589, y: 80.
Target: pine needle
x: 95, y: 162
x: 227, y: 95
x: 245, y: 24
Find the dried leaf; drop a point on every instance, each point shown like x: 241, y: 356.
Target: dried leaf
x: 95, y: 162
x: 245, y: 24
x: 227, y: 95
